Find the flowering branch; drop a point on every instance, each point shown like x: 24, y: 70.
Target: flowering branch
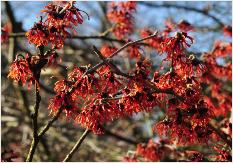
x: 103, y: 37
x: 110, y: 64
x: 96, y: 95
x: 119, y: 50
x: 37, y: 137
x: 133, y: 43
x: 79, y: 142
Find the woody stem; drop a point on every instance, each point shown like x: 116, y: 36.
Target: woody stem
x: 34, y: 116
x: 76, y: 146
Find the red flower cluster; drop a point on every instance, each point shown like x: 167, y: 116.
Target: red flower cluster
x: 186, y: 124
x: 20, y: 71
x: 152, y: 151
x: 70, y: 91
x: 176, y: 45
x: 222, y: 49
x: 98, y: 96
x: 61, y: 17
x: 83, y: 90
x: 26, y: 69
x: 215, y: 69
x: 161, y: 151
x: 107, y: 50
x: 95, y: 115
x: 38, y: 34
x: 121, y: 14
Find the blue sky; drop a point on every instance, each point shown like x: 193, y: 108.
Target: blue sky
x: 28, y: 11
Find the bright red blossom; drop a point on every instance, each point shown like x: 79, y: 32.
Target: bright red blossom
x: 175, y: 45
x: 107, y: 50
x: 120, y: 14
x: 222, y: 49
x: 38, y: 35
x: 58, y: 19
x: 61, y: 17
x: 149, y: 151
x: 20, y: 71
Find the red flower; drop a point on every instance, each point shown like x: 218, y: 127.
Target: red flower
x: 20, y: 71
x: 83, y: 85
x: 108, y: 80
x: 121, y: 15
x: 65, y: 102
x: 176, y: 45
x: 97, y: 113
x: 57, y: 19
x: 61, y: 17
x: 62, y: 86
x: 222, y: 49
x: 107, y: 50
x: 38, y: 34
x: 151, y: 151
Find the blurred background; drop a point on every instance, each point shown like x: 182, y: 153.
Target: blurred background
x: 121, y: 135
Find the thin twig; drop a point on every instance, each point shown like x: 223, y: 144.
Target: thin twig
x: 110, y: 64
x: 34, y: 116
x: 133, y: 43
x: 119, y: 50
x: 49, y: 123
x: 201, y: 11
x: 128, y: 140
x: 101, y: 37
x: 76, y: 146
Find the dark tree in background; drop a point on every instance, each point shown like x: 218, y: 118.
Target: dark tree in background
x: 116, y: 81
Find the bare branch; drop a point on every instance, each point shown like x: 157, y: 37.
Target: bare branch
x: 76, y: 146
x: 203, y: 12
